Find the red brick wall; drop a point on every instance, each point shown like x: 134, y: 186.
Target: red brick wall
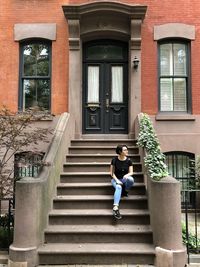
x: 33, y: 11
x: 167, y: 11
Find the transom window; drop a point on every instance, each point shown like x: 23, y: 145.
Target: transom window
x: 35, y: 75
x: 173, y: 78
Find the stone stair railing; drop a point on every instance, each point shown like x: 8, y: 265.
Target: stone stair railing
x: 34, y: 198
x: 165, y: 216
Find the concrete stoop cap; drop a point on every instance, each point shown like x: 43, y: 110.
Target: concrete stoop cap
x: 170, y: 258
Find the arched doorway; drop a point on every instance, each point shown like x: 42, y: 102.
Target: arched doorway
x: 103, y: 20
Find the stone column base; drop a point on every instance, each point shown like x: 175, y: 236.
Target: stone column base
x: 22, y: 257
x: 170, y: 258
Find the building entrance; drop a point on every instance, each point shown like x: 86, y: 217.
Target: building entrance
x: 105, y: 87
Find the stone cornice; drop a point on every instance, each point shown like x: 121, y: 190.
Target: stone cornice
x: 77, y: 11
x: 77, y: 15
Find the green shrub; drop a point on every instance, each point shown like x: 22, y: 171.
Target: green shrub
x: 5, y: 238
x: 191, y: 241
x: 155, y: 159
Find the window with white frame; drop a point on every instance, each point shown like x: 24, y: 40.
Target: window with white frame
x: 174, y: 76
x: 35, y: 75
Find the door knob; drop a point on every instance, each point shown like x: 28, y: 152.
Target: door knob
x: 107, y: 102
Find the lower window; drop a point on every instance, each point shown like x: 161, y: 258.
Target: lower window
x: 27, y: 164
x: 179, y: 166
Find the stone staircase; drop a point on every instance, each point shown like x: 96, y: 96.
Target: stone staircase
x: 81, y: 227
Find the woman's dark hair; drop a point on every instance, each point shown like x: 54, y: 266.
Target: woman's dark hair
x: 119, y: 149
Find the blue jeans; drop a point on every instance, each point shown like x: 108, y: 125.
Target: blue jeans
x: 127, y: 183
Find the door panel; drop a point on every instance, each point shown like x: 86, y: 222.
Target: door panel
x: 105, y: 100
x: 92, y: 104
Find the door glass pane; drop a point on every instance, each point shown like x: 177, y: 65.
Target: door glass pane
x: 166, y: 94
x: 179, y: 59
x: 103, y: 52
x: 180, y: 94
x: 166, y: 60
x: 93, y: 84
x: 117, y: 84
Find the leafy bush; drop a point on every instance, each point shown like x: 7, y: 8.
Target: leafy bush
x: 5, y: 238
x: 6, y: 231
x: 192, y: 241
x: 17, y: 134
x: 155, y: 159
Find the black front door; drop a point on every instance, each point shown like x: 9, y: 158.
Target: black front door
x: 105, y: 94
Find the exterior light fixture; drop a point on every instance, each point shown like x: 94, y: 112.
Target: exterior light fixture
x: 135, y: 62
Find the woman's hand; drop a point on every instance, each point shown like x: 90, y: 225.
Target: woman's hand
x: 130, y: 172
x: 118, y: 182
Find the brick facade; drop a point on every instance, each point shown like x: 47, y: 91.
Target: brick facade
x: 158, y: 13
x: 13, y: 12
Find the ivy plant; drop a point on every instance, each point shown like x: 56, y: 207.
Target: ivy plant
x: 155, y: 159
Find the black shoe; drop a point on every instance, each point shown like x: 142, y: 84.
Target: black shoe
x: 117, y: 214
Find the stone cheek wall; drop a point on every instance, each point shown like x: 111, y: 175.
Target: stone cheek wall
x: 34, y: 198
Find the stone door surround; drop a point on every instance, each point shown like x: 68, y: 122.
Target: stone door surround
x: 102, y: 20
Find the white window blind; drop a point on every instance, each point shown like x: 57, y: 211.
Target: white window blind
x: 117, y: 84
x: 166, y: 95
x: 173, y: 77
x: 93, y: 84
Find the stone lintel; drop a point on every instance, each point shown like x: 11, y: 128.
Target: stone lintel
x: 24, y: 31
x: 174, y: 30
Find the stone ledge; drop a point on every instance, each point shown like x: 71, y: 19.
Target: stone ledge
x: 175, y: 117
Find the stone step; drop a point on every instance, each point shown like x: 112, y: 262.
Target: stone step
x: 97, y: 157
x: 91, y: 253
x: 97, y: 216
x: 98, y: 202
x: 103, y: 142
x: 94, y: 166
x: 101, y: 265
x: 4, y: 258
x: 82, y: 228
x: 95, y: 189
x: 98, y: 234
x: 101, y: 150
x: 107, y: 136
x: 80, y: 177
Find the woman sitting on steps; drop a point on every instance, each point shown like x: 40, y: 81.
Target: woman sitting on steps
x: 121, y: 171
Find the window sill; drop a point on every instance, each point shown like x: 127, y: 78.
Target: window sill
x: 41, y: 116
x: 174, y: 117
